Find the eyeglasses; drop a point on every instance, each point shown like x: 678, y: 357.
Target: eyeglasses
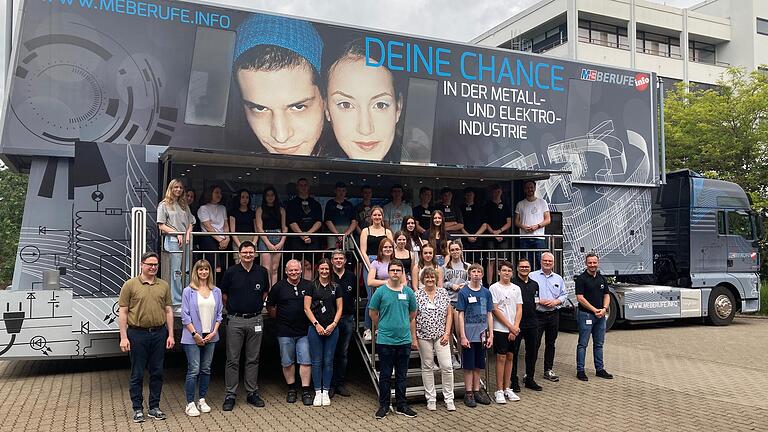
x: 247, y: 253
x: 395, y: 271
x: 151, y: 264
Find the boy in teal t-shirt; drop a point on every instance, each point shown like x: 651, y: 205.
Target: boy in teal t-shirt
x: 392, y: 309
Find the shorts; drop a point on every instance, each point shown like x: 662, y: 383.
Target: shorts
x: 274, y: 239
x: 473, y: 357
x: 293, y: 349
x: 501, y: 343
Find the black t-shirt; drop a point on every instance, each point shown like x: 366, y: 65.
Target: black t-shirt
x: 423, y: 215
x: 440, y: 244
x: 496, y: 214
x: 324, y: 302
x: 363, y: 215
x: 347, y: 283
x: 474, y: 217
x: 271, y: 218
x: 341, y: 214
x: 243, y: 220
x: 244, y: 289
x: 530, y: 291
x: 291, y: 320
x: 450, y: 213
x: 593, y: 288
x: 304, y: 212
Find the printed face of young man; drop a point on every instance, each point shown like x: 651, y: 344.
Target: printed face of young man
x: 284, y: 108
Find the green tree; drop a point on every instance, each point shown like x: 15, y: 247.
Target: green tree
x: 13, y: 189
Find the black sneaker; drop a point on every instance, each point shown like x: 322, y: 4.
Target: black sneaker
x: 229, y: 404
x: 307, y: 397
x: 381, y: 412
x: 255, y: 400
x: 406, y: 411
x: 342, y: 390
x: 531, y: 384
x: 156, y: 414
x: 582, y: 376
x: 482, y: 398
x: 138, y: 416
x: 331, y: 392
x: 602, y: 373
x: 469, y: 399
x: 292, y: 396
x: 515, y: 385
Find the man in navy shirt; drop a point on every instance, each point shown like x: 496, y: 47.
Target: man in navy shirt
x: 592, y: 293
x: 339, y: 217
x: 304, y: 216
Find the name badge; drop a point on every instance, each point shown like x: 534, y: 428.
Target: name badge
x: 322, y: 309
x: 501, y: 206
x: 339, y: 206
x: 257, y: 329
x: 426, y: 212
x: 469, y: 208
x: 535, y: 299
x: 402, y: 296
x: 472, y: 299
x: 431, y: 306
x: 589, y: 322
x: 305, y: 203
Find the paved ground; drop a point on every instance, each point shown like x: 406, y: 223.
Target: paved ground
x: 667, y: 377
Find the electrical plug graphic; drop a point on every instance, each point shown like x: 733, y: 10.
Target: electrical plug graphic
x: 13, y: 322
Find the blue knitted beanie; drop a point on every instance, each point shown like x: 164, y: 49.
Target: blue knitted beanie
x: 292, y: 34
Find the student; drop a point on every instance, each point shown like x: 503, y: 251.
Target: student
x: 285, y: 305
x: 473, y: 216
x: 593, y: 295
x: 404, y: 254
x: 452, y: 217
x: 414, y: 239
x: 552, y: 294
x: 363, y: 106
x: 396, y: 210
x: 438, y: 237
x: 475, y: 306
x: 304, y: 216
x: 498, y: 221
x: 270, y: 219
x: 347, y: 283
x: 370, y: 239
x: 242, y: 218
x: 174, y: 215
x: 277, y: 66
x: 339, y: 217
x: 423, y: 211
x: 323, y: 305
x: 531, y: 216
x: 201, y: 307
x: 529, y: 327
x: 434, y: 320
x: 363, y: 210
x: 507, y: 311
x: 393, y: 309
x: 455, y: 277
x: 427, y: 260
x: 379, y: 267
x: 213, y: 219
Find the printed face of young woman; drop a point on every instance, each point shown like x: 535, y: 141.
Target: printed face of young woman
x: 363, y: 109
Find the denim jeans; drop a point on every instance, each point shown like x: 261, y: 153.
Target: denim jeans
x: 346, y: 330
x: 147, y: 352
x: 199, y: 360
x: 590, y: 325
x: 171, y: 245
x: 367, y: 319
x: 393, y: 356
x: 321, y: 349
x: 533, y: 257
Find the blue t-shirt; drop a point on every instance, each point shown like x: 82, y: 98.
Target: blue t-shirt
x: 394, y: 308
x: 475, y: 305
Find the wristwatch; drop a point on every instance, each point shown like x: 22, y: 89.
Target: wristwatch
x: 315, y: 323
x: 194, y: 333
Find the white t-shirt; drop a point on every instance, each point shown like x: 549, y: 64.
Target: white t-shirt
x: 207, y: 306
x: 393, y: 215
x: 532, y: 213
x: 216, y: 214
x: 507, y: 297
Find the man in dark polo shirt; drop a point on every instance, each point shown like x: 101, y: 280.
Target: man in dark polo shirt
x: 498, y: 220
x: 304, y: 216
x: 452, y: 217
x: 423, y: 212
x: 592, y: 293
x: 244, y: 288
x: 529, y: 327
x: 286, y: 305
x: 347, y: 282
x: 474, y: 223
x: 145, y: 318
x: 339, y: 216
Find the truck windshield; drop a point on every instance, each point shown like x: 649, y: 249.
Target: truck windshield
x: 739, y: 223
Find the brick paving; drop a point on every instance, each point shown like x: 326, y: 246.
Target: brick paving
x: 672, y: 377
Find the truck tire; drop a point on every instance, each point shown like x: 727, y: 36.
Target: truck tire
x: 613, y: 313
x: 721, y: 306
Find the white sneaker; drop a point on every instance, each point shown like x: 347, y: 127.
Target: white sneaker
x: 204, y: 406
x: 511, y: 395
x: 450, y: 406
x: 500, y: 399
x: 431, y: 406
x: 325, y: 398
x: 367, y: 335
x: 318, y: 398
x: 191, y: 410
x: 456, y: 363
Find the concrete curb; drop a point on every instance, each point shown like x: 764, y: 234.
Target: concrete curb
x: 752, y: 316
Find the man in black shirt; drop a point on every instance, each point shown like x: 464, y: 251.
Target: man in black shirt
x: 452, y: 218
x: 592, y: 293
x: 304, y: 216
x: 363, y: 210
x: 498, y: 220
x: 339, y: 216
x: 529, y: 327
x: 423, y: 212
x: 474, y: 222
x: 244, y: 288
x: 347, y: 283
x: 286, y: 305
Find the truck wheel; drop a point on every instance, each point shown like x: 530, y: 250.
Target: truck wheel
x: 613, y: 313
x: 722, y: 307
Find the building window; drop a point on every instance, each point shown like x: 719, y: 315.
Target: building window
x: 762, y: 26
x: 701, y: 52
x: 603, y: 34
x: 657, y: 44
x: 544, y: 40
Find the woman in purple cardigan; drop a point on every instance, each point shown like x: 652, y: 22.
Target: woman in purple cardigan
x: 200, y: 317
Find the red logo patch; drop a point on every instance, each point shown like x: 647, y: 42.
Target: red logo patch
x: 641, y: 82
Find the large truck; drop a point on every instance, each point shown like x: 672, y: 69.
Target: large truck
x: 103, y: 116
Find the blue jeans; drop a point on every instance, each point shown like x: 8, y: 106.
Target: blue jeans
x: 596, y: 328
x: 199, y: 360
x: 393, y: 356
x: 147, y: 352
x: 533, y: 257
x: 346, y: 330
x: 171, y: 244
x: 367, y: 319
x: 322, y: 349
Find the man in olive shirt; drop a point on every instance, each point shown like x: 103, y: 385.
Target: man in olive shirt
x: 592, y: 293
x: 145, y: 318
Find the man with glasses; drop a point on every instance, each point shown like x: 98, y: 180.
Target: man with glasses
x: 145, y: 318
x: 244, y: 288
